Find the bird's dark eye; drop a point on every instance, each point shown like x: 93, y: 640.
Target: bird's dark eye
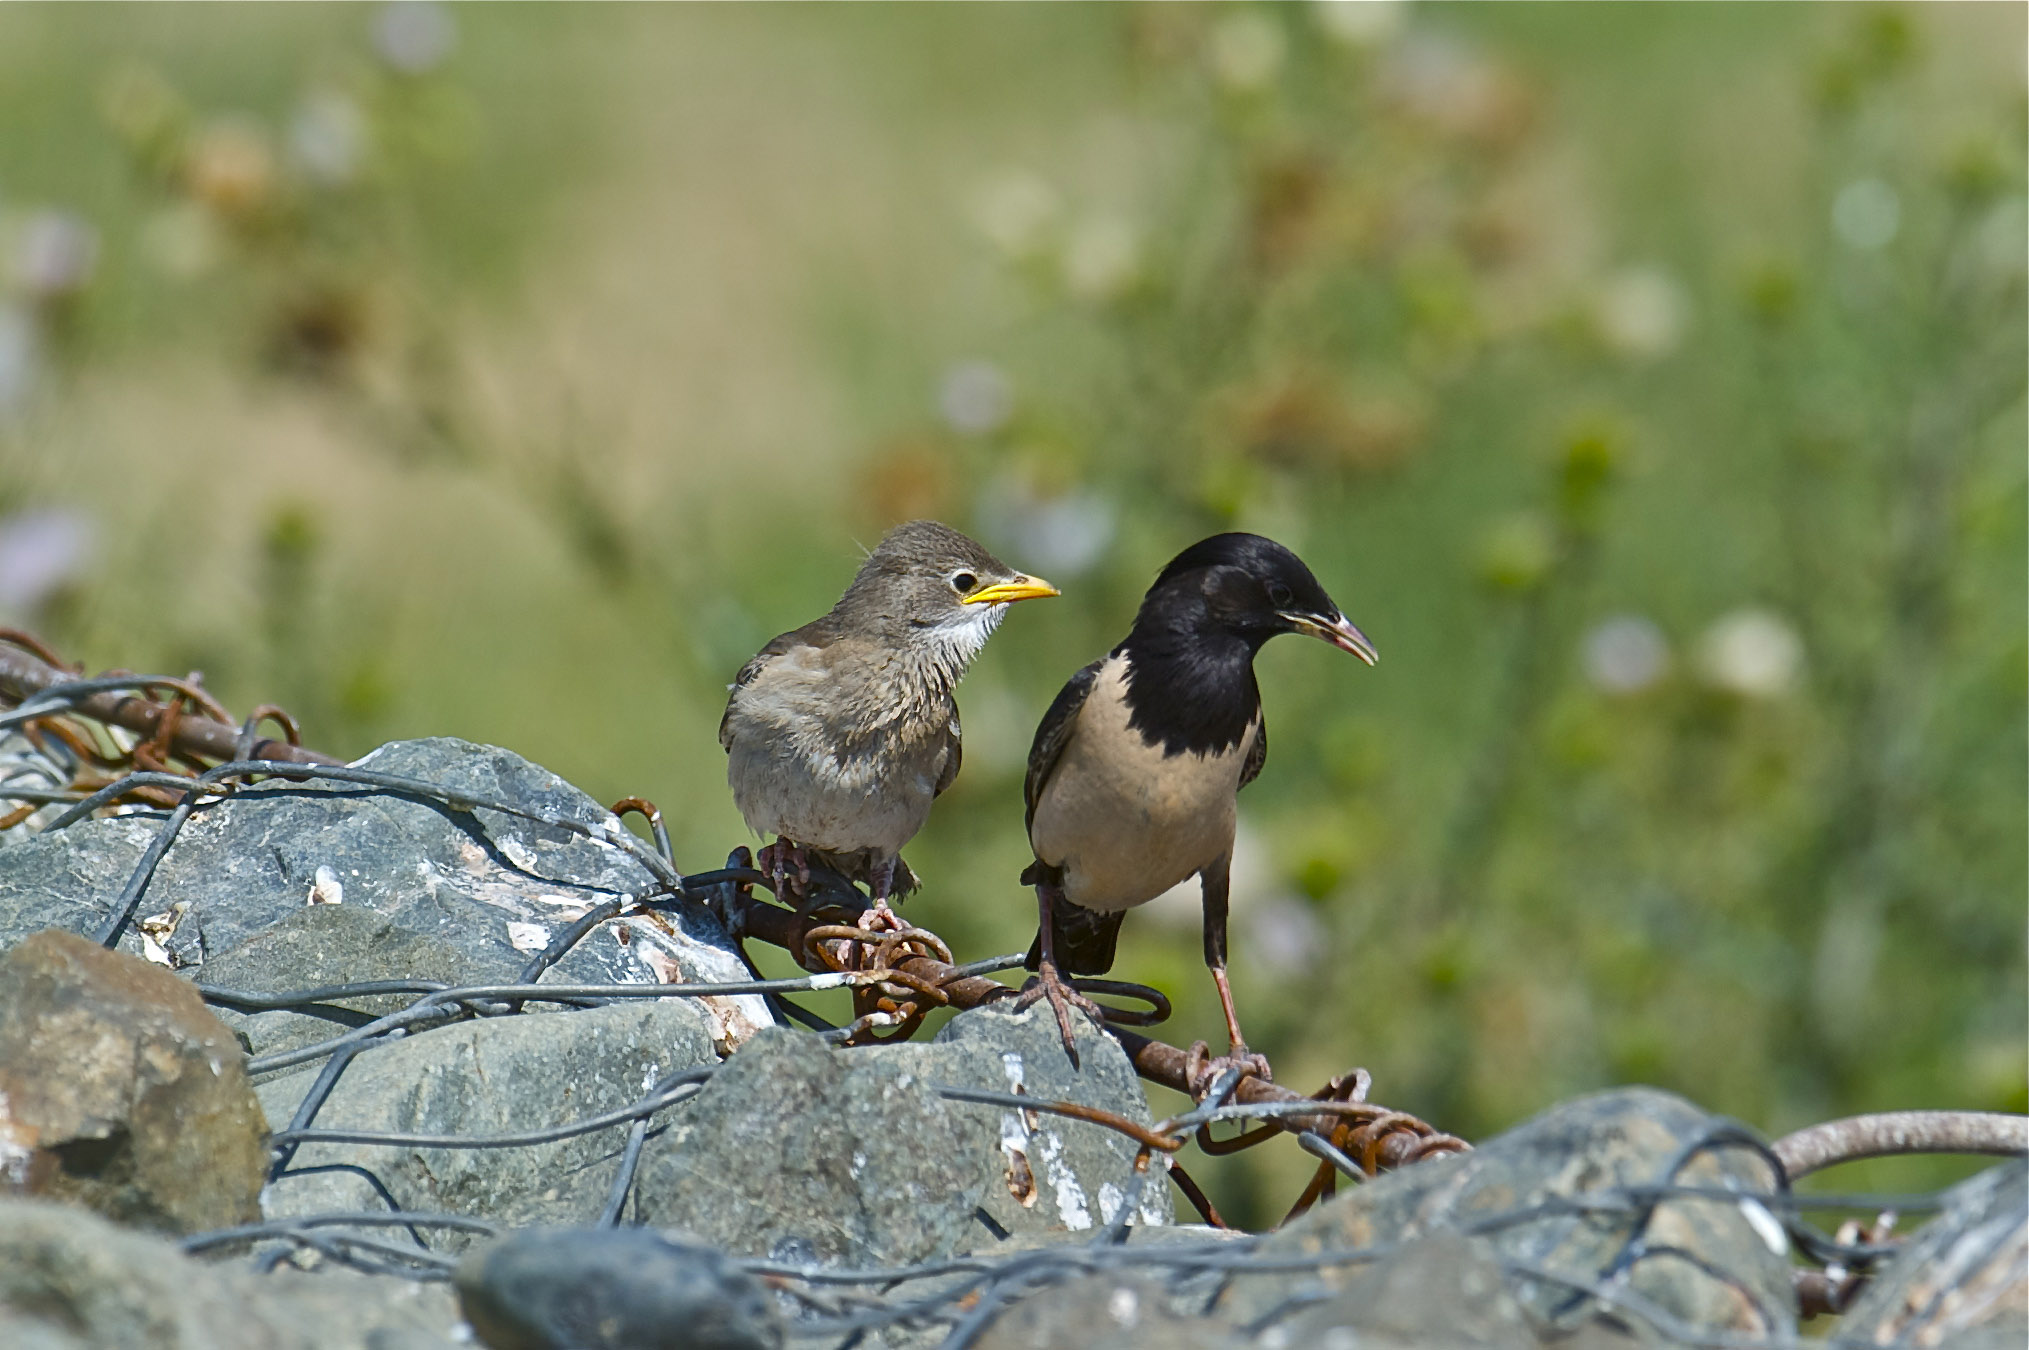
x: 963, y: 582
x: 1279, y: 594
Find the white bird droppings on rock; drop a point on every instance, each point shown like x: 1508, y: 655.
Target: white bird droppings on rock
x: 528, y: 937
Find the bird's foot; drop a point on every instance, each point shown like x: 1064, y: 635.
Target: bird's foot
x: 1201, y: 1071
x: 1063, y: 996
x: 789, y: 868
x: 878, y: 917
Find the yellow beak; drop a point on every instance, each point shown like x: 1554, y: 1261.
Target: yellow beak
x: 1004, y: 592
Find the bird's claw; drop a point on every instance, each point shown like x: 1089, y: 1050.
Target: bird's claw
x: 777, y: 860
x: 1201, y: 1071
x: 878, y: 917
x: 1063, y: 996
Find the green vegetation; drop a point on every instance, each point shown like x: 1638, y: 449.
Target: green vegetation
x: 1646, y: 380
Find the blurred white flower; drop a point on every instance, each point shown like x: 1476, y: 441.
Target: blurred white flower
x: 19, y: 357
x: 1641, y: 313
x: 1284, y: 935
x: 1248, y: 47
x: 54, y: 254
x: 1867, y: 213
x: 976, y: 398
x: 1101, y: 258
x: 183, y: 240
x: 1441, y: 81
x: 1017, y: 211
x: 1751, y: 652
x: 1058, y: 534
x: 327, y: 137
x: 40, y: 550
x: 414, y: 36
x: 1626, y: 654
x: 1361, y: 23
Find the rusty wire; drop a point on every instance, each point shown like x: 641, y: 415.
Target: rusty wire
x: 177, y: 752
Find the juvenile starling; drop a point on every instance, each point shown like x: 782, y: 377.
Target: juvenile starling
x: 1135, y: 771
x: 841, y: 733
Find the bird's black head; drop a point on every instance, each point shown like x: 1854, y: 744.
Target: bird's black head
x: 1248, y: 588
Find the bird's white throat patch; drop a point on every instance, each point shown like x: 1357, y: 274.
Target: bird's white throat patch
x: 960, y: 638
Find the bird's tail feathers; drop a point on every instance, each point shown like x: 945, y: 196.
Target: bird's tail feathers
x: 1085, y: 938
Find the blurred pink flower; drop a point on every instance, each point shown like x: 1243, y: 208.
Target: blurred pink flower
x: 41, y: 549
x: 54, y: 254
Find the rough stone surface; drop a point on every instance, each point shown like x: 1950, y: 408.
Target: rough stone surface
x: 804, y: 1153
x: 617, y: 1289
x: 498, y: 1075
x: 851, y: 1157
x: 1053, y: 1173
x: 70, y: 1279
x: 1576, y: 1150
x: 488, y: 887
x: 1963, y: 1281
x: 1442, y: 1290
x: 120, y: 1092
x: 1104, y: 1312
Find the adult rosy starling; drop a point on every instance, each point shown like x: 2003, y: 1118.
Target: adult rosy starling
x: 1134, y: 775
x: 841, y: 733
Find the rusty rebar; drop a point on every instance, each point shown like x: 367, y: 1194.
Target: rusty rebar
x: 1897, y: 1132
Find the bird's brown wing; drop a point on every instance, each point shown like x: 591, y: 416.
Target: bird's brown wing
x: 1257, y: 753
x: 1053, y: 733
x: 954, y: 754
x: 818, y: 633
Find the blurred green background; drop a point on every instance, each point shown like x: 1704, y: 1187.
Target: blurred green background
x: 1646, y: 380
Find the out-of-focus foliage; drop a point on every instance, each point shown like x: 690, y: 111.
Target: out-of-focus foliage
x: 1646, y: 380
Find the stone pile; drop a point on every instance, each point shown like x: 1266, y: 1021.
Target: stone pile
x: 142, y: 1121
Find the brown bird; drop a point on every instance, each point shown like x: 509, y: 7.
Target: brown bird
x: 1134, y: 775
x: 841, y: 733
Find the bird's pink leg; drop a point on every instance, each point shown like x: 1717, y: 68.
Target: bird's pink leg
x: 1199, y: 1068
x: 882, y: 882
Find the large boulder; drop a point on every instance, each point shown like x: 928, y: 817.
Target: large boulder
x: 120, y: 1092
x: 427, y: 890
x: 1549, y: 1198
x: 807, y: 1153
x: 491, y: 1076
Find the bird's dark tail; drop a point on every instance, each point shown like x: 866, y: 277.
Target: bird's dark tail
x: 1085, y: 938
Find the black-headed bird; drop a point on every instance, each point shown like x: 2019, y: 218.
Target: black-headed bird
x: 840, y: 734
x: 1137, y: 765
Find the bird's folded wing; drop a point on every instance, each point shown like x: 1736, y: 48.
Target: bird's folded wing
x: 1257, y: 753
x: 954, y: 754
x: 817, y: 634
x: 1054, y: 733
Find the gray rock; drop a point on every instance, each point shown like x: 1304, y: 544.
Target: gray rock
x: 1054, y: 1173
x: 616, y: 1289
x: 851, y: 1157
x: 120, y: 1092
x: 1442, y: 1292
x: 1963, y: 1280
x: 72, y: 1279
x: 489, y: 887
x: 497, y: 1075
x: 809, y: 1154
x: 1714, y: 1265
